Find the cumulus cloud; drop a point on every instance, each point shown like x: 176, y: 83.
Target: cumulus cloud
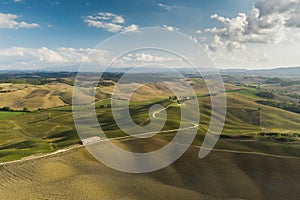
x: 9, y: 21
x: 143, y: 57
x: 170, y: 28
x: 36, y: 58
x: 110, y: 22
x: 132, y: 27
x: 288, y: 8
x: 266, y: 23
x: 20, y: 57
x: 249, y: 58
x: 198, y: 32
x: 167, y: 7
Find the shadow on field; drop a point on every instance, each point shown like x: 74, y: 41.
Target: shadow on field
x: 77, y: 175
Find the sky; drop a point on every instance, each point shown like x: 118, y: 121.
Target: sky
x: 251, y: 34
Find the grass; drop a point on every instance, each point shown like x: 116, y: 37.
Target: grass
x: 52, y: 129
x: 77, y: 175
x: 36, y: 97
x: 5, y: 115
x: 41, y: 132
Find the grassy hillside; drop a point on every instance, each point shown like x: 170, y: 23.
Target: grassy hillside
x: 76, y: 175
x: 5, y: 115
x: 47, y: 130
x: 33, y: 97
x: 257, y: 156
x: 18, y: 96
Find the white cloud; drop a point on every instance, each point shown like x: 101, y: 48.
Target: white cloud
x: 198, y: 36
x: 288, y: 8
x: 267, y: 22
x: 251, y: 28
x: 266, y: 37
x: 170, y: 28
x: 8, y: 21
x: 111, y: 27
x: 218, y: 44
x: 167, y: 7
x: 132, y: 27
x: 143, y: 57
x: 38, y: 58
x: 110, y: 22
x: 18, y: 1
x: 198, y: 32
x: 105, y: 16
x: 20, y: 57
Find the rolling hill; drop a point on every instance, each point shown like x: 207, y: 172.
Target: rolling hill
x: 222, y: 175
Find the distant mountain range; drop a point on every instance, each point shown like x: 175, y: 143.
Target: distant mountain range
x: 277, y: 72
x: 290, y: 72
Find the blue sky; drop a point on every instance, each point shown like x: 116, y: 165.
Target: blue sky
x: 62, y: 21
x: 55, y: 24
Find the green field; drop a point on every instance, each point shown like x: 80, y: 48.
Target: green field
x: 5, y: 115
x: 271, y: 130
x: 256, y: 157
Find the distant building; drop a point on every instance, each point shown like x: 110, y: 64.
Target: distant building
x: 91, y: 140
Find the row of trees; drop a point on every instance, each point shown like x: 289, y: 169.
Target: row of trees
x: 32, y: 81
x: 105, y: 83
x: 266, y: 94
x: 292, y: 107
x: 8, y: 109
x: 36, y: 81
x: 282, y: 82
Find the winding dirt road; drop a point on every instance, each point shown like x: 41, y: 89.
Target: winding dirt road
x: 33, y: 157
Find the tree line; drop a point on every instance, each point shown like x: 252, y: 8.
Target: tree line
x: 292, y: 107
x: 8, y: 109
